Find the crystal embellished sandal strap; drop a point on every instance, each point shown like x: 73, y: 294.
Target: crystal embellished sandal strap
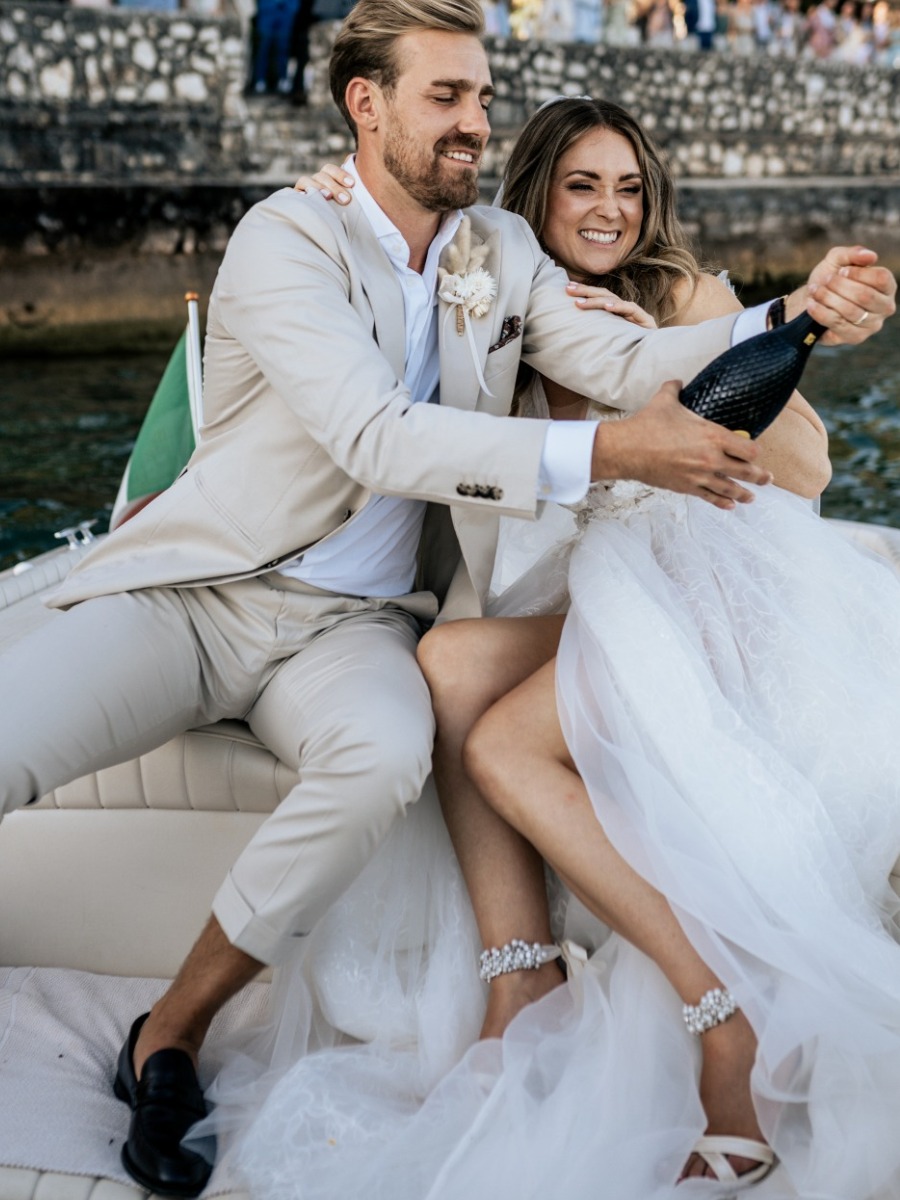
x: 514, y: 956
x: 715, y: 1007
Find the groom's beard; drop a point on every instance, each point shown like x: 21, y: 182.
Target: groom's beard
x: 431, y: 179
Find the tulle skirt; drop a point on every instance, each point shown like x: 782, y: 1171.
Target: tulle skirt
x: 729, y: 686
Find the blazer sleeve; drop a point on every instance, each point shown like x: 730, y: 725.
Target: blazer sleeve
x: 603, y: 356
x: 283, y: 294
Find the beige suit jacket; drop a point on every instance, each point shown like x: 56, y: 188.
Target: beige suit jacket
x: 306, y: 413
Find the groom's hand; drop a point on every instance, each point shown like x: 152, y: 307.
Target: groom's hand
x: 667, y: 446
x: 848, y: 293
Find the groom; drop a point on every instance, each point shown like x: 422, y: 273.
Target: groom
x: 286, y: 574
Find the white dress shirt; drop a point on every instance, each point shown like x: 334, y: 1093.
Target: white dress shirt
x: 375, y: 555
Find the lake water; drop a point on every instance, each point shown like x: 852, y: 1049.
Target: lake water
x: 67, y: 426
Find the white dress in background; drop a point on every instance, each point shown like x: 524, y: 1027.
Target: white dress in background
x: 729, y: 685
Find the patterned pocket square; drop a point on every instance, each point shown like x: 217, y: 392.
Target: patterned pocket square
x: 512, y: 328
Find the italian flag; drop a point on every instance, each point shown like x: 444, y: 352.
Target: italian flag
x: 169, y: 433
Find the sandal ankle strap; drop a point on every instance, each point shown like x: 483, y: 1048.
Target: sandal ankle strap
x: 715, y: 1149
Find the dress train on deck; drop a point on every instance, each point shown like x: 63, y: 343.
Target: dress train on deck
x: 729, y: 685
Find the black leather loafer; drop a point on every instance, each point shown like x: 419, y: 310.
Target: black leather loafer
x: 165, y: 1102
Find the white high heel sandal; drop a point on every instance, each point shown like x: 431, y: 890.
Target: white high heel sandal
x: 715, y: 1007
x: 714, y: 1149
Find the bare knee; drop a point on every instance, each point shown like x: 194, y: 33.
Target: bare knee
x: 447, y: 655
x: 470, y: 664
x: 494, y: 758
x: 515, y: 744
x: 456, y: 661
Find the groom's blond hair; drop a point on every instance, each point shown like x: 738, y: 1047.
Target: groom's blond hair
x: 366, y: 44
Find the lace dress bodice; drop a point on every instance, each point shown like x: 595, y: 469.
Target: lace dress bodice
x: 604, y: 498
x: 532, y: 563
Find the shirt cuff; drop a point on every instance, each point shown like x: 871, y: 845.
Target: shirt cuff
x: 565, y: 471
x: 750, y: 322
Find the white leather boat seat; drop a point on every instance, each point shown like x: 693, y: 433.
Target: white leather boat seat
x: 120, y: 866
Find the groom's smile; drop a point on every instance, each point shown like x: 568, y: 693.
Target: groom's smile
x: 436, y: 123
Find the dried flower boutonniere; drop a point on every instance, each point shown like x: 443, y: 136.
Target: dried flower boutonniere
x: 467, y: 286
x: 464, y: 282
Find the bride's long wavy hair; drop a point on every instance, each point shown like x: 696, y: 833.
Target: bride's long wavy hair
x: 662, y: 256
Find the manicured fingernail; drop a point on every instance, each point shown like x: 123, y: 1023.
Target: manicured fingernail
x: 348, y: 182
x: 343, y: 197
x: 844, y: 271
x: 572, y: 285
x: 813, y: 289
x: 326, y: 194
x: 580, y: 300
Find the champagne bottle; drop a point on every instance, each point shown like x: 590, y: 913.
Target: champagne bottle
x: 746, y: 388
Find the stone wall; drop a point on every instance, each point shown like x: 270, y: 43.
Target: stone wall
x: 128, y: 151
x: 772, y: 230
x: 118, y: 94
x: 717, y: 115
x: 94, y: 268
x: 722, y: 116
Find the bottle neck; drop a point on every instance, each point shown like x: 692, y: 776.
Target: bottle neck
x: 802, y: 330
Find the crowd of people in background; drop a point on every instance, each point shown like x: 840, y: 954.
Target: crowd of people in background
x: 862, y: 32
x: 280, y: 43
x: 854, y: 31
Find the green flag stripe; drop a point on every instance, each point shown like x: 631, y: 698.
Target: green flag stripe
x: 166, y: 438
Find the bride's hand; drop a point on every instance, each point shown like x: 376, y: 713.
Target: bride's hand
x: 330, y: 180
x: 848, y: 293
x: 587, y: 296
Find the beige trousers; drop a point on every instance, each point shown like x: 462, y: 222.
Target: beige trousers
x: 329, y: 683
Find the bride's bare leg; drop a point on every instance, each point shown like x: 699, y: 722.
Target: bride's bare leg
x: 518, y: 758
x: 469, y: 665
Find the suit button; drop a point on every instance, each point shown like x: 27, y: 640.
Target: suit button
x: 495, y: 493
x: 465, y: 489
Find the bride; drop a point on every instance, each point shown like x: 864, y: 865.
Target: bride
x: 726, y: 688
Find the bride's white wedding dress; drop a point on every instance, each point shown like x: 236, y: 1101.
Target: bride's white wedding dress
x: 729, y: 685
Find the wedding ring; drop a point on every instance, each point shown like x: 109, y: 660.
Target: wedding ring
x: 864, y: 317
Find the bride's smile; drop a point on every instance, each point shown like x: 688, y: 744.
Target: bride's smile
x: 596, y: 204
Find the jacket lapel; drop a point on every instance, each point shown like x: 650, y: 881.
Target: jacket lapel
x: 382, y: 289
x: 459, y: 378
